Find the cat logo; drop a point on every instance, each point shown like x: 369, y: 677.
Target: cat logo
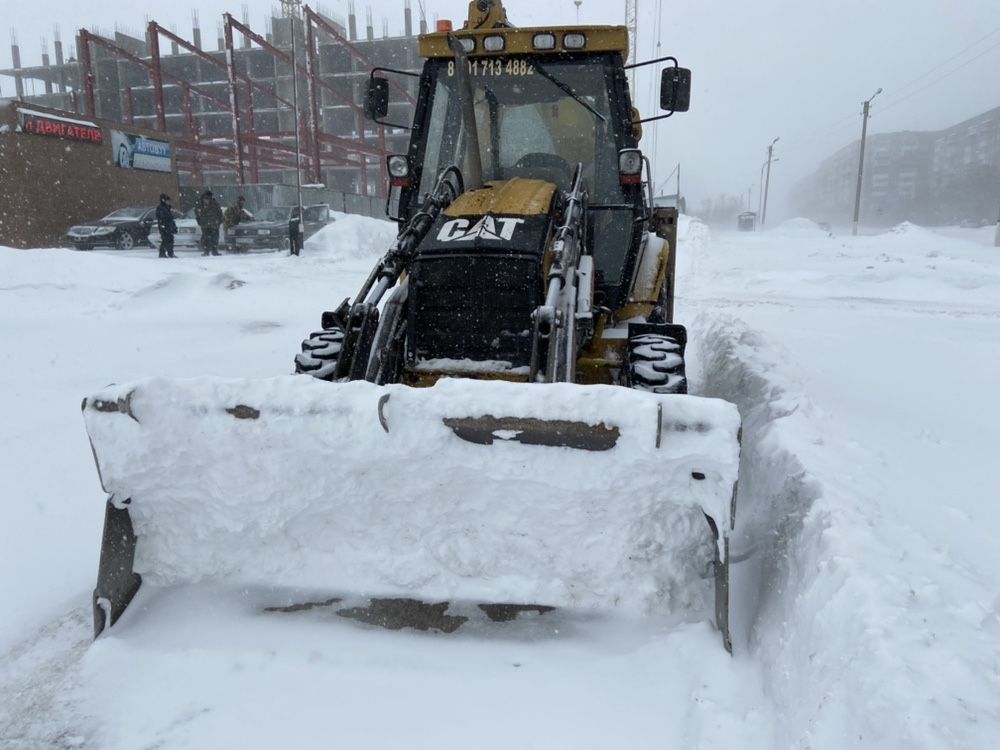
x: 498, y: 229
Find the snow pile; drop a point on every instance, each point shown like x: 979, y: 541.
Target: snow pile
x: 910, y: 230
x: 313, y: 491
x: 352, y: 237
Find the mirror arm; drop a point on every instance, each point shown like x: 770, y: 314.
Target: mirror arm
x: 393, y: 70
x: 650, y: 62
x: 388, y: 124
x: 660, y: 117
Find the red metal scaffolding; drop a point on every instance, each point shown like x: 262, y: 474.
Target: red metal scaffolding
x: 245, y: 148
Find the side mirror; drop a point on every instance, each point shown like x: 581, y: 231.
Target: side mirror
x: 377, y: 99
x: 675, y: 89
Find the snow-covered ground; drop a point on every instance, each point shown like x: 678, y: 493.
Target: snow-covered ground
x: 866, y: 599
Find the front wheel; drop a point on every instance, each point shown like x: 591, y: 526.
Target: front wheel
x: 125, y: 241
x: 320, y: 353
x: 656, y: 363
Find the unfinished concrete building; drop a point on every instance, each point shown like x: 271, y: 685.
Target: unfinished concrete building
x: 236, y: 124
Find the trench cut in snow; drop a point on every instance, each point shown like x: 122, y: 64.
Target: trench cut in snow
x: 389, y: 490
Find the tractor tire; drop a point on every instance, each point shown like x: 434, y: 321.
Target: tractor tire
x: 320, y: 353
x: 656, y: 364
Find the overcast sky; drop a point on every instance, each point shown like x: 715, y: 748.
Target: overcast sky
x: 794, y: 69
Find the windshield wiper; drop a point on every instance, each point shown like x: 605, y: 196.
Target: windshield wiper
x: 566, y: 89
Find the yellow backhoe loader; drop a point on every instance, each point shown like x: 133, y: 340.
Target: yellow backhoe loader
x: 500, y: 416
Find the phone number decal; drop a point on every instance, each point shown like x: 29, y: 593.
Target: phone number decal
x: 496, y: 66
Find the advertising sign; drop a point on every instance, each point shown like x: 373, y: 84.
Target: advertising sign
x: 139, y: 152
x: 42, y: 123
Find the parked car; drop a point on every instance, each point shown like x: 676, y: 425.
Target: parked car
x: 123, y: 229
x: 270, y: 226
x: 188, y: 232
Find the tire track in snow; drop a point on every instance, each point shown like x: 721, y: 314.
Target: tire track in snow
x: 38, y: 678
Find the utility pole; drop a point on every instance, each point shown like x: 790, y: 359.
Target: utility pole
x: 861, y: 158
x: 678, y: 201
x: 767, y: 180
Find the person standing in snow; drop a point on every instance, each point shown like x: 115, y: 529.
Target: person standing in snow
x: 208, y: 214
x: 295, y: 233
x: 167, y: 226
x: 233, y: 216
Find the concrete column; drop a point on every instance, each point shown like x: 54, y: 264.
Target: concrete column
x: 15, y: 56
x: 46, y: 63
x: 59, y: 64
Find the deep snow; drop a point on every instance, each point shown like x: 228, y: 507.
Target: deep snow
x: 866, y: 602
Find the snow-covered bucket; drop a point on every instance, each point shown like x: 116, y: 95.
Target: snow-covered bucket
x: 592, y: 497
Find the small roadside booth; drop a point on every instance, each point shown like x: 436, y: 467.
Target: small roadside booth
x: 746, y: 221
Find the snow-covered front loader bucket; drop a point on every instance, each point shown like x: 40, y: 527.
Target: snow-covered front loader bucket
x: 584, y: 497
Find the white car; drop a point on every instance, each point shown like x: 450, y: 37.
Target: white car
x: 188, y: 233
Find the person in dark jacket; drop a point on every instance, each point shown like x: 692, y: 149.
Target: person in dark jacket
x: 167, y: 226
x: 295, y: 233
x: 208, y: 214
x: 233, y: 216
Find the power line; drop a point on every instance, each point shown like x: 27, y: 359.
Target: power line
x: 896, y: 97
x: 941, y: 78
x: 937, y: 67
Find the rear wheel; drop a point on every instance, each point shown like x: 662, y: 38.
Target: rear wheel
x: 656, y: 363
x: 125, y: 241
x: 320, y: 353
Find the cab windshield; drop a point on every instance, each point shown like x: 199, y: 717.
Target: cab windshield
x: 528, y: 125
x: 536, y: 123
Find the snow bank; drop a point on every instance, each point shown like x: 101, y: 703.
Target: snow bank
x: 860, y: 642
x: 352, y: 237
x: 314, y: 492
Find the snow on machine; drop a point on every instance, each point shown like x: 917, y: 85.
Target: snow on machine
x: 506, y: 420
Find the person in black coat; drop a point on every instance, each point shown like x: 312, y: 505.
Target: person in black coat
x: 167, y: 226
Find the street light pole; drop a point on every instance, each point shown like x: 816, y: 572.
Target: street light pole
x: 300, y: 228
x: 767, y: 182
x: 760, y: 189
x: 861, y: 158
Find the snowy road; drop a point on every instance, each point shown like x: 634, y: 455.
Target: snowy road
x: 867, y: 610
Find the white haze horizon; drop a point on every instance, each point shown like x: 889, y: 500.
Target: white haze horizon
x: 772, y: 69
